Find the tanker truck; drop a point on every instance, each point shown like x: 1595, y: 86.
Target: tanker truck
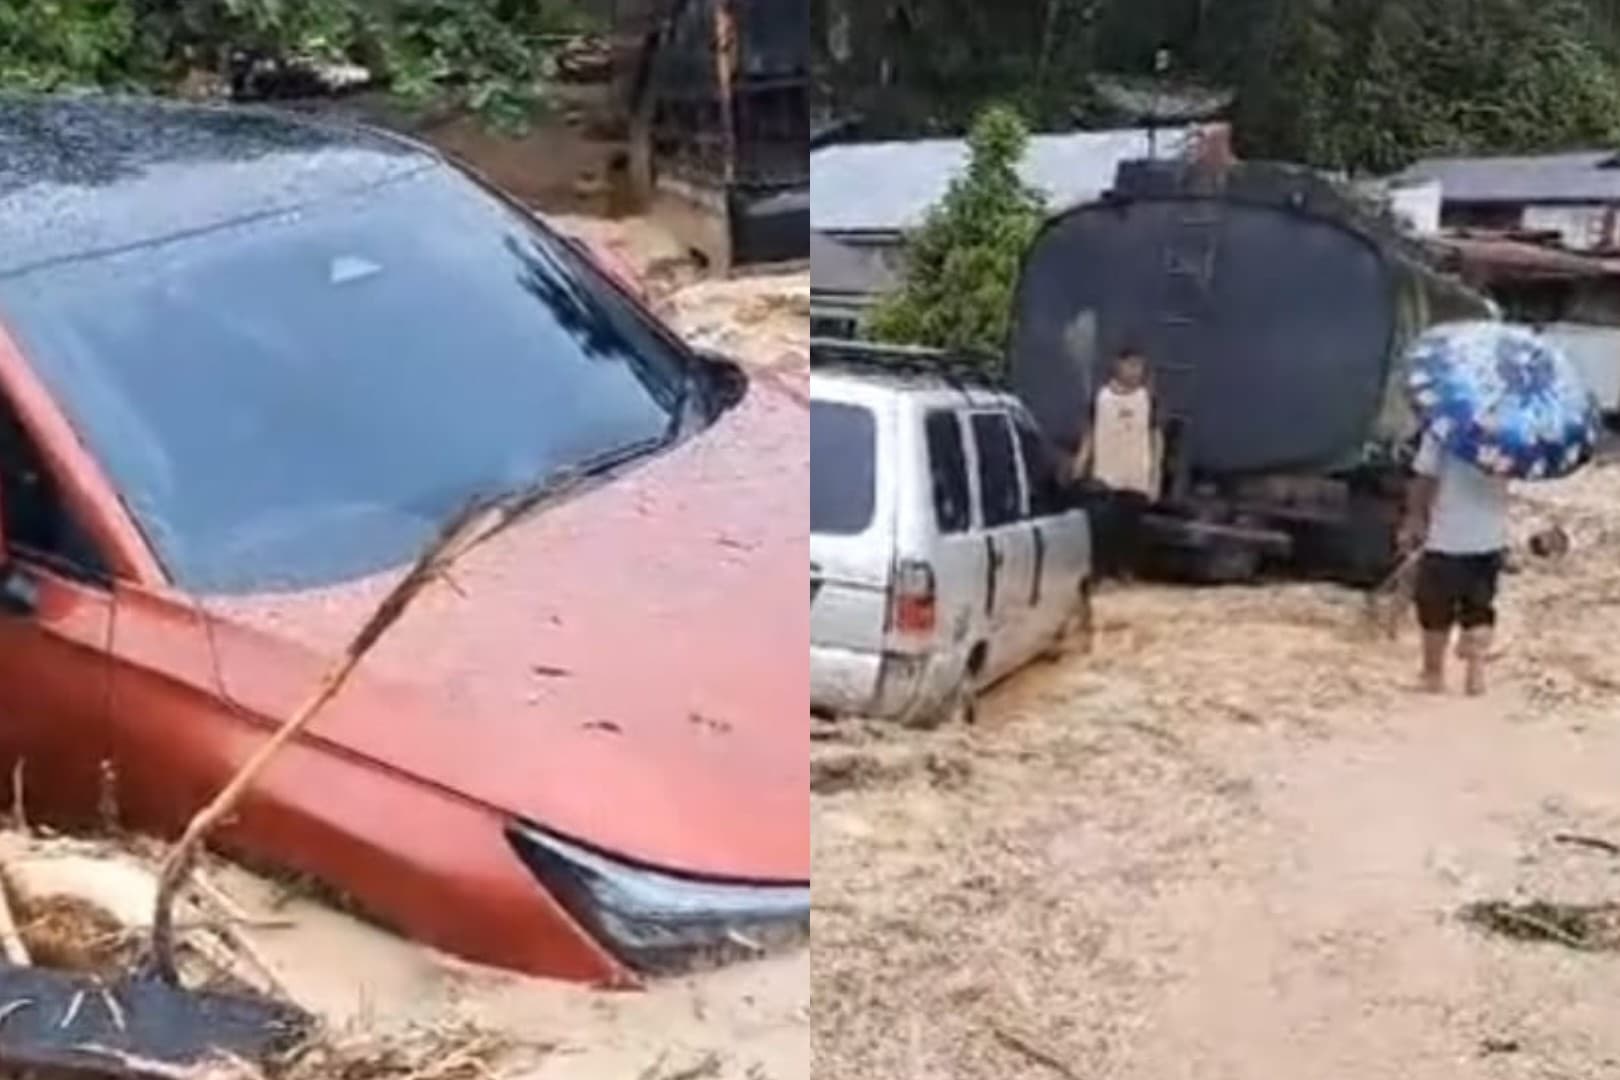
x: 1273, y: 307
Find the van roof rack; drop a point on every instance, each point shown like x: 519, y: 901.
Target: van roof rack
x: 960, y: 368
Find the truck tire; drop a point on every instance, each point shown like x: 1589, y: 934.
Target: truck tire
x: 1228, y: 564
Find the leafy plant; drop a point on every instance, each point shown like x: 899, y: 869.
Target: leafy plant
x: 57, y: 44
x: 962, y: 264
x: 494, y: 56
x: 1357, y: 85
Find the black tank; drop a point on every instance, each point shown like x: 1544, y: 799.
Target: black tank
x: 1270, y: 305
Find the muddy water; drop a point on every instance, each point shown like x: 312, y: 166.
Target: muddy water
x: 1232, y: 843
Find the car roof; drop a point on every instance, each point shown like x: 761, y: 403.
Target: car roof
x: 83, y: 175
x: 873, y: 383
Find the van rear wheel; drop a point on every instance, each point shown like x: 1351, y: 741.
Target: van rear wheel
x: 955, y: 709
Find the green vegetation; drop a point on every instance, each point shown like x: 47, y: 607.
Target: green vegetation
x: 492, y: 55
x: 1359, y: 85
x: 962, y: 264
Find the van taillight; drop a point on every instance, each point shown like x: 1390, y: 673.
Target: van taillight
x: 913, y: 611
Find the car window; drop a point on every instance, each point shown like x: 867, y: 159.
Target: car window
x: 1000, y: 500
x: 947, y: 468
x: 304, y: 398
x: 37, y: 519
x: 1046, y: 495
x: 843, y: 468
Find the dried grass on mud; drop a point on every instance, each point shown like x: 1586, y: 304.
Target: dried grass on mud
x: 1232, y: 842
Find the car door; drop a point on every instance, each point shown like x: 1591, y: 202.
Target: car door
x: 959, y: 557
x: 851, y: 551
x: 1061, y: 534
x: 1008, y: 541
x: 55, y: 617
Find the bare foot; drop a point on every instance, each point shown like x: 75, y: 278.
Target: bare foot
x: 1474, y: 682
x: 1432, y: 682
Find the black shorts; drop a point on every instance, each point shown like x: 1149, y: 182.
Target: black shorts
x: 1457, y: 590
x: 1116, y: 533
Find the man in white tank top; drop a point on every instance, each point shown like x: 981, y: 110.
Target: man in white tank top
x: 1122, y: 450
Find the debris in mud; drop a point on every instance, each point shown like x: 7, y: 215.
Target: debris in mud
x: 1039, y: 1056
x: 864, y: 770
x: 459, y: 1051
x: 705, y: 1067
x: 71, y: 994
x: 82, y: 909
x: 1588, y: 927
x: 1550, y: 543
x: 1591, y: 843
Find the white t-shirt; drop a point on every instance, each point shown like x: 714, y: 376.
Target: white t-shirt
x: 1470, y: 514
x: 1122, y: 440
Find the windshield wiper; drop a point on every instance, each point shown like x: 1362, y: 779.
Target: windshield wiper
x: 516, y: 504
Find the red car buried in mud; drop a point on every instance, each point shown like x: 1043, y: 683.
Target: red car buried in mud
x: 248, y: 366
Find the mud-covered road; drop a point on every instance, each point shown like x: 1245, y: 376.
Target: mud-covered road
x: 1232, y: 843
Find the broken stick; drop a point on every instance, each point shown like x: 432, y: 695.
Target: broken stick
x: 12, y: 945
x: 1014, y: 1041
x: 476, y: 523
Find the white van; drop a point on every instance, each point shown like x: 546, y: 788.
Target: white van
x: 945, y: 550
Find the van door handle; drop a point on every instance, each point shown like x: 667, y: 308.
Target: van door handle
x: 993, y: 560
x: 1040, y: 567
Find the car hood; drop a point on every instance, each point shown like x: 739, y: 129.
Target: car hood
x: 628, y: 668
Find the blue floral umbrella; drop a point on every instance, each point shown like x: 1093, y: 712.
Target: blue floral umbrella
x: 1504, y: 399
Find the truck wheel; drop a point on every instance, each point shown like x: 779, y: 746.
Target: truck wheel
x: 1229, y: 564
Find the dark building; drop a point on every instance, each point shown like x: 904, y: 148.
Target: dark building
x: 717, y: 92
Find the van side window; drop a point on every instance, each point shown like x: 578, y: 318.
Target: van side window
x: 947, y: 465
x: 1000, y: 499
x: 843, y: 468
x: 1041, y: 469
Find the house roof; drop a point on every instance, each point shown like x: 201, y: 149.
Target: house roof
x: 1495, y: 257
x: 845, y: 266
x: 1583, y: 177
x: 890, y: 186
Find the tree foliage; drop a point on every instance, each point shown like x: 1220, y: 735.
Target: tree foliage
x: 492, y: 54
x: 962, y: 264
x: 1360, y: 85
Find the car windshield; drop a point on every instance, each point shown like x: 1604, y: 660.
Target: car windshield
x: 304, y: 398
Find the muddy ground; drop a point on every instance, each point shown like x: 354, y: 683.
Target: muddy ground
x: 1232, y: 843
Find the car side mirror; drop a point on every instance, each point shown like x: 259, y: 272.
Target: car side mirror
x: 19, y: 593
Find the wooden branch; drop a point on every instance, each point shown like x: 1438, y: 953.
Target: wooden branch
x: 477, y: 522
x: 1595, y: 843
x: 177, y: 865
x: 1014, y: 1041
x: 12, y: 946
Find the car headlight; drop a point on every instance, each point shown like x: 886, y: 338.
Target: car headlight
x: 657, y: 921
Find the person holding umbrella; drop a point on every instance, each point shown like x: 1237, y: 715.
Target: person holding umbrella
x: 1497, y: 404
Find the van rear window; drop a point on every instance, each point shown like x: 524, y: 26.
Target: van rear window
x: 843, y: 468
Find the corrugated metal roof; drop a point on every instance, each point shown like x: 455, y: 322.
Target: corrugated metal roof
x: 889, y: 186
x: 1588, y: 176
x: 1501, y: 257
